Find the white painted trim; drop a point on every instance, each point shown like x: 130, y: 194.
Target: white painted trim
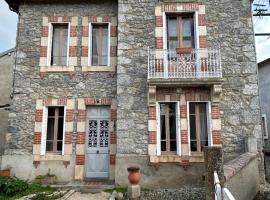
x: 196, y: 30
x: 164, y: 30
x: 44, y: 131
x: 178, y: 129
x: 64, y: 131
x: 264, y: 118
x: 210, y: 122
x: 158, y: 128
x: 90, y: 42
x: 49, y: 47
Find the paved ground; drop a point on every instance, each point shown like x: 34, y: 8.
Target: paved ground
x: 89, y: 196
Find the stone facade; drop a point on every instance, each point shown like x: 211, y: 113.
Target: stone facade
x: 235, y: 104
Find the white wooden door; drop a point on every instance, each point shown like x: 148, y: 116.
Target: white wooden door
x: 97, y: 152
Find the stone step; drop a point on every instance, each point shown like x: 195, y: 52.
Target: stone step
x: 87, y: 187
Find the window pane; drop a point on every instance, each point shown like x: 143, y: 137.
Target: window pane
x: 100, y: 44
x: 60, y: 128
x: 59, y: 44
x: 203, y: 123
x: 172, y: 33
x: 50, y: 128
x: 193, y: 141
x: 187, y: 32
x: 172, y: 127
x: 191, y: 108
x: 59, y: 145
x: 51, y: 111
x: 49, y: 146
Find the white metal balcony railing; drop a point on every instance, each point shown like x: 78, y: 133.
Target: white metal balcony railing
x: 199, y: 64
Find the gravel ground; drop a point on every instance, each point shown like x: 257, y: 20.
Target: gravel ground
x: 264, y: 193
x: 89, y: 196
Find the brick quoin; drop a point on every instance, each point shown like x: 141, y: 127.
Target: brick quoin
x: 53, y: 19
x: 183, y: 111
x: 37, y: 138
x: 215, y: 112
x: 43, y: 51
x: 84, y: 51
x: 81, y: 138
x: 85, y: 31
x: 152, y: 137
x: 159, y: 42
x: 169, y: 7
x: 113, y: 138
x: 184, y: 137
x: 216, y: 135
x: 190, y: 6
x: 113, y: 31
x: 112, y: 159
x: 92, y: 19
x: 39, y: 114
x: 45, y: 31
x: 80, y: 159
x: 72, y: 51
x: 202, y: 20
x: 69, y: 115
x: 73, y: 31
x: 66, y: 19
x: 159, y: 21
x: 81, y: 115
x: 106, y: 19
x: 68, y: 137
x: 203, y: 41
x: 152, y: 112
x: 113, y: 114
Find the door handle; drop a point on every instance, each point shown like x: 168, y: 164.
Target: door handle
x: 97, y: 151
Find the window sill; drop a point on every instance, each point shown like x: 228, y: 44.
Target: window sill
x: 55, y: 157
x: 198, y: 158
x: 57, y: 69
x: 98, y: 68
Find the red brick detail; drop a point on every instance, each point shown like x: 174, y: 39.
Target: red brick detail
x: 80, y: 159
x: 152, y: 137
x: 159, y: 42
x: 174, y: 97
x: 85, y: 31
x: 45, y: 31
x: 169, y: 7
x: 42, y: 74
x: 152, y: 112
x: 92, y: 19
x: 190, y: 6
x: 197, y: 94
x: 113, y: 138
x: 160, y: 97
x: 39, y: 114
x: 84, y: 51
x: 72, y: 51
x: 66, y: 19
x: 183, y: 111
x: 69, y: 115
x: 184, y: 137
x: 202, y: 20
x: 106, y: 19
x: 203, y: 41
x: 37, y: 138
x: 215, y: 112
x: 53, y: 19
x: 62, y: 102
x: 81, y: 138
x: 112, y: 159
x: 43, y: 51
x: 113, y: 51
x: 92, y: 101
x: 66, y: 163
x: 47, y: 102
x: 68, y: 137
x: 113, y: 31
x: 113, y: 114
x: 36, y: 163
x: 216, y: 135
x: 81, y: 115
x: 159, y: 21
x: 73, y: 31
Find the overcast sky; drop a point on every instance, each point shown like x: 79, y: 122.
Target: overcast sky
x: 8, y: 25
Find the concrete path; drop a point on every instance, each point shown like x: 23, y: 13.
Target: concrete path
x: 89, y: 196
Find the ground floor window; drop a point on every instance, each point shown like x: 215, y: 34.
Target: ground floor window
x: 198, y: 126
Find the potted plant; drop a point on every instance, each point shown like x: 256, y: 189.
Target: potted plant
x: 134, y: 176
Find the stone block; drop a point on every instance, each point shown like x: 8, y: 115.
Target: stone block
x: 251, y: 144
x: 134, y: 191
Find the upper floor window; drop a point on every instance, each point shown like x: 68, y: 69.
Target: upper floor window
x: 180, y: 31
x: 59, y: 44
x: 100, y: 45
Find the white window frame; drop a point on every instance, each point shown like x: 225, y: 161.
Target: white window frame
x: 90, y: 42
x: 178, y: 127
x: 44, y: 130
x: 209, y: 123
x: 264, y: 119
x: 50, y: 37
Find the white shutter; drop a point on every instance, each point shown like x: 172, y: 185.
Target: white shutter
x: 158, y: 128
x: 64, y: 130
x: 209, y: 124
x: 44, y: 131
x: 178, y: 129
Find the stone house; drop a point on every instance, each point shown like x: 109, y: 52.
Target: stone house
x: 6, y: 66
x: 104, y: 85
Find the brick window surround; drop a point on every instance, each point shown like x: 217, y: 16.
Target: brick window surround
x: 87, y: 23
x: 45, y: 47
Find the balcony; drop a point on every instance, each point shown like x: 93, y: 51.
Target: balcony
x: 197, y: 66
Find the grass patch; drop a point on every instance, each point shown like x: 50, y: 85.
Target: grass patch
x: 117, y: 189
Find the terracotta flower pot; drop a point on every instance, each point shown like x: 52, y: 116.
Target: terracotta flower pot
x: 5, y: 172
x: 134, y: 176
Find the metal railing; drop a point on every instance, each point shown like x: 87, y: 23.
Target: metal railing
x: 200, y: 63
x: 221, y: 194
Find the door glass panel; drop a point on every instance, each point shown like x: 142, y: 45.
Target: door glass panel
x: 92, y: 134
x: 104, y: 133
x: 203, y: 123
x: 172, y: 33
x: 172, y: 118
x: 187, y: 35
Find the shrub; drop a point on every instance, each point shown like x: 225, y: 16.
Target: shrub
x: 10, y: 186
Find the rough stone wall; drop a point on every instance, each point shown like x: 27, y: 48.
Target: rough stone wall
x: 229, y: 25
x: 6, y: 67
x: 28, y: 84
